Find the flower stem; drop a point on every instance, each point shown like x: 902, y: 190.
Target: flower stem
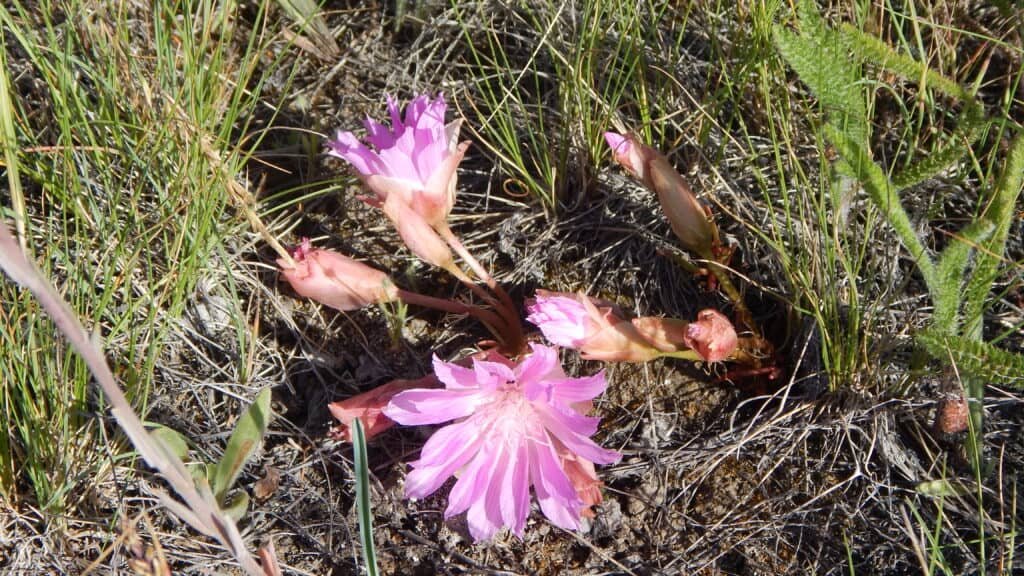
x: 490, y: 319
x: 743, y: 314
x: 454, y: 270
x: 507, y: 308
x: 684, y: 355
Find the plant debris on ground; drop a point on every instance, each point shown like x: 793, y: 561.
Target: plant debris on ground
x: 836, y: 467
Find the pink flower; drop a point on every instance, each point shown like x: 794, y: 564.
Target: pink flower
x: 712, y: 336
x: 577, y: 321
x: 335, y: 280
x: 415, y: 159
x: 514, y: 426
x: 368, y: 407
x: 685, y: 213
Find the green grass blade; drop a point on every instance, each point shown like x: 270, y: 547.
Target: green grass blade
x: 363, y: 497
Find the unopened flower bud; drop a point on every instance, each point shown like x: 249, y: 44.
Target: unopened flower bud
x: 685, y: 213
x: 368, y: 407
x: 712, y: 336
x: 576, y: 321
x: 336, y: 280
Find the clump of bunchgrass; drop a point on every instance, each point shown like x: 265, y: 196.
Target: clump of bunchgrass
x: 115, y: 199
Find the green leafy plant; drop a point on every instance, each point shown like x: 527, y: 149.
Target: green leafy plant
x: 220, y: 476
x: 821, y: 57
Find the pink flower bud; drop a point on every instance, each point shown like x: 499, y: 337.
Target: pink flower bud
x: 712, y: 336
x: 335, y: 280
x: 685, y: 213
x: 665, y: 334
x: 368, y: 407
x: 417, y: 234
x: 576, y: 321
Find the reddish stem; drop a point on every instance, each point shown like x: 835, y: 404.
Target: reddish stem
x: 493, y: 322
x: 508, y: 308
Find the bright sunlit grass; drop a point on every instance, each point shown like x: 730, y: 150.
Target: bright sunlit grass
x: 121, y: 207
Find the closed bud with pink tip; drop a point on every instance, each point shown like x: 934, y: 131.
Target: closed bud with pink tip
x: 712, y: 336
x: 592, y: 327
x: 685, y: 213
x: 336, y: 280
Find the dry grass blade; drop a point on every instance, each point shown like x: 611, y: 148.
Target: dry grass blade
x: 306, y: 14
x: 202, y: 510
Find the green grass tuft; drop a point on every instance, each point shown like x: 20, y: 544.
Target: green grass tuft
x: 121, y: 205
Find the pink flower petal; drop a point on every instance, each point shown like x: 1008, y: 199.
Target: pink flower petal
x: 378, y: 135
x: 515, y: 497
x: 485, y: 514
x: 448, y: 450
x: 579, y: 444
x: 555, y: 493
x: 562, y: 319
x: 540, y: 366
x: 418, y: 407
x: 573, y: 390
x: 578, y: 424
x: 615, y: 142
x: 351, y: 150
x: 472, y: 483
x: 453, y: 376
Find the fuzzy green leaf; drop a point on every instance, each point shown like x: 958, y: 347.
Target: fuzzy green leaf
x: 874, y: 50
x: 238, y: 506
x: 823, y: 62
x: 172, y: 440
x: 871, y: 49
x: 1000, y: 213
x: 976, y: 358
x: 883, y: 193
x: 971, y: 123
x: 244, y: 441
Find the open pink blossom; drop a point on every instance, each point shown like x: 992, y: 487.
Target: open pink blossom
x: 712, y: 336
x: 368, y: 407
x: 336, y: 280
x: 415, y: 159
x: 514, y: 425
x: 593, y: 328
